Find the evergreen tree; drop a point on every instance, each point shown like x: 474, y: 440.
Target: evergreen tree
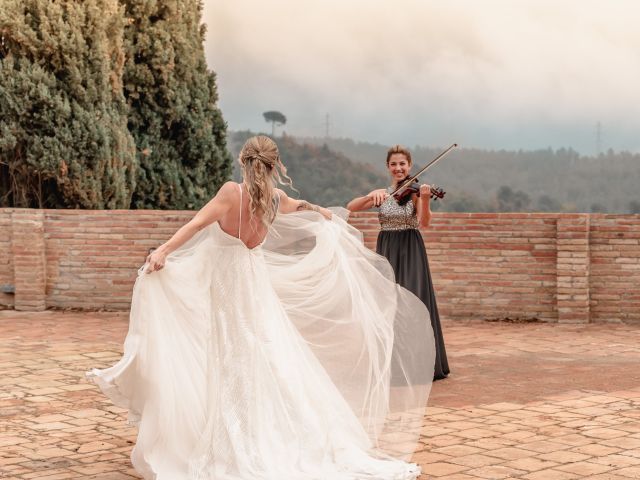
x: 178, y: 129
x: 63, y: 127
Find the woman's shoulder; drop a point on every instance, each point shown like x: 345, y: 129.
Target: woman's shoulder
x: 229, y: 190
x: 279, y: 195
x: 229, y: 185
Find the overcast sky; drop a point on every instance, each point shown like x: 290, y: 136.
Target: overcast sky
x: 485, y: 73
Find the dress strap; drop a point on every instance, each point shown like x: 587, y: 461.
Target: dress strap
x: 240, y: 209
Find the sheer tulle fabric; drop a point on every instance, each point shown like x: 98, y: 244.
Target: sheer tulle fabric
x: 298, y: 359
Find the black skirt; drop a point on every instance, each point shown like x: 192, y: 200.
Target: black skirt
x: 406, y: 253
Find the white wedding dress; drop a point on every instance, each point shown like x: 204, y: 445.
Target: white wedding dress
x: 298, y: 359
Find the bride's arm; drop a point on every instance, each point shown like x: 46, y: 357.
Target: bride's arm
x: 290, y: 205
x: 213, y: 211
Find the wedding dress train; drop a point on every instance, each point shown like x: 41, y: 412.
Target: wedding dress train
x: 298, y: 359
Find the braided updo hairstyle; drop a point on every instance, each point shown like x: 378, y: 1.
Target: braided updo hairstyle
x: 262, y: 169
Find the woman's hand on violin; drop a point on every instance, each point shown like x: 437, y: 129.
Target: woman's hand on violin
x: 425, y: 191
x: 378, y: 196
x: 155, y: 261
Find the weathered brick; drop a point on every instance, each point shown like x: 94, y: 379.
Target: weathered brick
x: 532, y: 265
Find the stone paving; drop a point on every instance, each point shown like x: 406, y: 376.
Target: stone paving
x: 531, y: 401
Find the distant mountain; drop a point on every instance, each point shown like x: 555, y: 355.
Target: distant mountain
x: 540, y: 180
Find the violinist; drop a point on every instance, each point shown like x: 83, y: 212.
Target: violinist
x: 401, y: 216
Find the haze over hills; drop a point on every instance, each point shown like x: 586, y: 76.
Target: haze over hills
x: 331, y: 171
x: 553, y: 180
x: 320, y: 175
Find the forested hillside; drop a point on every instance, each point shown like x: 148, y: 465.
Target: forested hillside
x: 319, y: 174
x: 501, y: 180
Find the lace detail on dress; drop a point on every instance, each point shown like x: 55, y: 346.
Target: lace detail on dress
x: 397, y: 217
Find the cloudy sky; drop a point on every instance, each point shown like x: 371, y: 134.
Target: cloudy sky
x: 485, y: 73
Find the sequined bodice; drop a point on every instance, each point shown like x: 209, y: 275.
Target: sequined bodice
x: 396, y: 217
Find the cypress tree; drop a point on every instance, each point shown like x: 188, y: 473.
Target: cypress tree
x: 64, y: 140
x: 178, y: 128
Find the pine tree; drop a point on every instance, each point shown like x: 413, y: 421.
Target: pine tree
x: 178, y: 128
x: 64, y: 140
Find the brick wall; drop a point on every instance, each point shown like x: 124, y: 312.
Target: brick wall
x: 614, y: 279
x: 555, y: 267
x: 6, y: 258
x: 92, y: 256
x: 488, y: 265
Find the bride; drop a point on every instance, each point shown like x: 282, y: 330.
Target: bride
x: 266, y: 342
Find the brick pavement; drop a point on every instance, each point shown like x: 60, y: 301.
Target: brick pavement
x: 530, y: 401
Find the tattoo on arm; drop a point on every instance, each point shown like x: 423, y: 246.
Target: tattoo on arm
x: 304, y: 205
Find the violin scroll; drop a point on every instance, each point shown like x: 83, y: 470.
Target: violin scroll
x: 437, y: 192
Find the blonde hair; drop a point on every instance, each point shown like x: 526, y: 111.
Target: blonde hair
x: 262, y: 170
x: 399, y: 149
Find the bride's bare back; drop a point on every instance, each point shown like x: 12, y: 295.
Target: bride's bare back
x: 226, y: 208
x: 238, y: 221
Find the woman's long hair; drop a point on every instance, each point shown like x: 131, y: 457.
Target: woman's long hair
x: 262, y: 170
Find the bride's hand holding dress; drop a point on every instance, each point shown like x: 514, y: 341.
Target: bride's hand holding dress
x: 213, y: 211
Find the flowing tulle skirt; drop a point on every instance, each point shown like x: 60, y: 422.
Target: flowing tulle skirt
x: 407, y: 255
x: 276, y: 362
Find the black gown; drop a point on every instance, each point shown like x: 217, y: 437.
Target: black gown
x: 402, y: 244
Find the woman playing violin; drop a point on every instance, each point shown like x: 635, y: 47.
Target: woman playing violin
x: 401, y: 217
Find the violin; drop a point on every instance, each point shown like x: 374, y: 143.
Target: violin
x: 403, y: 196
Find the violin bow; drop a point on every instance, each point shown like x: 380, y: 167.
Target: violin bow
x: 411, y: 179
